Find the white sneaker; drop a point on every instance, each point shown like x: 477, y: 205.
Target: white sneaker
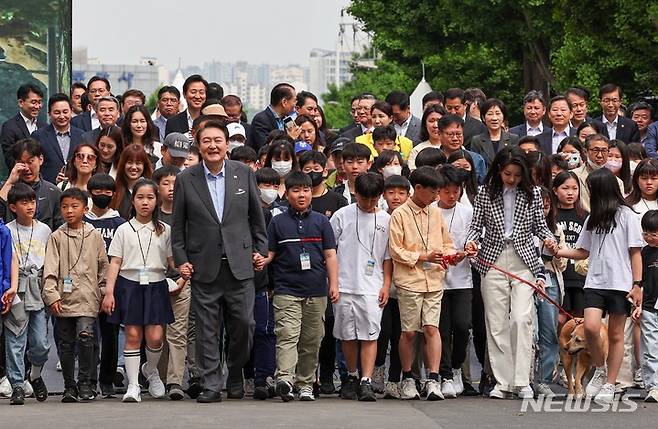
x: 58, y: 367
x: 306, y: 394
x: 408, y: 389
x: 652, y: 396
x: 637, y: 378
x: 457, y: 381
x: 132, y: 394
x: 596, y: 383
x: 392, y: 390
x: 156, y: 386
x: 27, y: 388
x: 606, y: 394
x: 497, y: 393
x: 433, y: 388
x: 448, y: 389
x: 5, y: 388
x: 525, y: 392
x: 378, y: 376
x: 545, y: 389
x: 249, y: 387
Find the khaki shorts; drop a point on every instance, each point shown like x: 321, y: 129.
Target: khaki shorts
x: 418, y: 309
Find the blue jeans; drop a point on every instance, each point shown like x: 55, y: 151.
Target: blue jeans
x: 649, y: 346
x: 264, y: 350
x: 36, y: 335
x: 547, y: 315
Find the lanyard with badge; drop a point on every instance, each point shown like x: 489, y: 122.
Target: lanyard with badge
x: 426, y: 243
x: 597, y: 265
x: 68, y: 281
x: 143, y: 272
x: 19, y: 250
x: 304, y: 257
x: 370, y: 264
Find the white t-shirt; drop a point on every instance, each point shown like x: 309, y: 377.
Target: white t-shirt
x: 354, y: 249
x: 130, y: 249
x: 29, y: 252
x: 458, y: 220
x: 644, y: 206
x: 609, y: 260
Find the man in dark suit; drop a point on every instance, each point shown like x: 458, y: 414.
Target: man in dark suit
x: 59, y: 139
x: 218, y: 238
x: 354, y: 106
x: 578, y: 99
x: 559, y: 114
x: 406, y: 124
x: 455, y: 104
x: 194, y: 91
x: 534, y: 109
x: 616, y: 126
x: 282, y: 103
x: 364, y: 117
x: 233, y: 108
x: 97, y: 87
x: 108, y: 110
x: 21, y: 126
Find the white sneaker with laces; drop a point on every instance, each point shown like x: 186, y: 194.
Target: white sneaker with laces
x: 457, y: 381
x: 5, y: 388
x: 156, y: 386
x: 27, y: 388
x: 525, y: 392
x: 433, y: 388
x: 545, y: 389
x: 306, y: 394
x: 392, y: 390
x: 497, y: 393
x: 652, y: 396
x: 448, y: 389
x: 606, y: 394
x: 596, y: 383
x: 132, y: 394
x: 378, y: 377
x: 408, y: 389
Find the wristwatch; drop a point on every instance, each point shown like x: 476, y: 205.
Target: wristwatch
x: 637, y: 283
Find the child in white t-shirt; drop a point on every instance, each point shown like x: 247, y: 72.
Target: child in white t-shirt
x: 364, y: 279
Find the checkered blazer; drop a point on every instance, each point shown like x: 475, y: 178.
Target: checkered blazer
x: 488, y: 216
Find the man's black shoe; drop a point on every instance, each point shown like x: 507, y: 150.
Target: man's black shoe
x: 209, y: 396
x: 40, y: 390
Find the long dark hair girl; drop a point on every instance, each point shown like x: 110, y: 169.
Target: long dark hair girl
x: 559, y: 180
x: 605, y: 200
x: 157, y: 224
x: 646, y: 168
x: 509, y: 155
x: 624, y: 173
x: 471, y: 183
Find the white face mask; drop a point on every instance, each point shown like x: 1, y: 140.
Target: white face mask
x: 282, y: 167
x: 268, y: 196
x: 593, y: 165
x: 391, y: 170
x: 232, y: 144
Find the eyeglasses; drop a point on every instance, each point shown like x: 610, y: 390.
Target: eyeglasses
x: 610, y: 100
x: 650, y: 234
x: 451, y: 135
x: 599, y: 150
x: 85, y: 156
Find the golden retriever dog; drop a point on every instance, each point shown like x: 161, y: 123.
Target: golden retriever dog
x: 573, y: 347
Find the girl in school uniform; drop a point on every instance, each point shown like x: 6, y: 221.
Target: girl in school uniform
x: 509, y: 208
x: 137, y: 293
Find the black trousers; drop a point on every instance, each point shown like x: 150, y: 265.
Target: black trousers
x: 76, y: 332
x: 109, y: 349
x: 454, y: 327
x: 232, y: 301
x: 390, y: 333
x: 327, y: 354
x: 478, y: 322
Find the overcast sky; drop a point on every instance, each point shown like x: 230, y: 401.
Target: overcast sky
x: 257, y: 31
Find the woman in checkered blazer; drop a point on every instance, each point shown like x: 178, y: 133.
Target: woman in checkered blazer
x: 508, y: 211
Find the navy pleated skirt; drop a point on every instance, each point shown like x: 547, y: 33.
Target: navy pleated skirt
x: 141, y: 305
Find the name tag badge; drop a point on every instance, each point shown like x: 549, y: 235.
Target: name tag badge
x: 305, y: 261
x: 68, y: 284
x: 427, y: 266
x: 596, y: 267
x: 143, y: 277
x: 370, y: 267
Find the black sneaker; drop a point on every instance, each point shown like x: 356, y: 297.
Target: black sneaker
x: 70, y: 395
x: 348, y: 389
x: 40, y: 390
x: 85, y: 392
x: 469, y: 390
x: 284, y: 390
x: 365, y: 392
x: 175, y: 392
x: 107, y: 390
x: 17, y: 396
x: 194, y: 387
x: 327, y: 387
x: 261, y: 392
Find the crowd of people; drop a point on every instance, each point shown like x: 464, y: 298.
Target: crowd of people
x: 186, y: 250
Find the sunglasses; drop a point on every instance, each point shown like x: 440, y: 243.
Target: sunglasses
x: 85, y: 156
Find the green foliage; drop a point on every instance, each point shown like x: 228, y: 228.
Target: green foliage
x: 152, y: 100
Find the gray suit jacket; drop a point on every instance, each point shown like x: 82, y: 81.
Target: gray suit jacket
x: 413, y: 130
x: 481, y: 144
x: 197, y: 235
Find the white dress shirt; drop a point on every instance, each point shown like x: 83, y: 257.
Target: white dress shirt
x: 611, y: 126
x: 533, y: 131
x: 31, y: 124
x: 509, y: 205
x: 95, y: 123
x: 558, y: 137
x: 402, y: 129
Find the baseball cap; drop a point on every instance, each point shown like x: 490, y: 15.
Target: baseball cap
x: 177, y: 144
x: 214, y: 110
x: 302, y: 146
x: 338, y: 144
x: 236, y: 128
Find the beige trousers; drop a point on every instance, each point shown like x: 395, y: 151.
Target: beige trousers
x: 172, y: 361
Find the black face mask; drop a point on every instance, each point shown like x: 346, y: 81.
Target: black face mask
x: 316, y: 177
x: 101, y: 201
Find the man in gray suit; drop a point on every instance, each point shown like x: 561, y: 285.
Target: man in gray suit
x: 406, y: 124
x: 218, y: 238
x: 107, y: 110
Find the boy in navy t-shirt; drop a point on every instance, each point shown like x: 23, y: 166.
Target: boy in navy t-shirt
x: 302, y: 253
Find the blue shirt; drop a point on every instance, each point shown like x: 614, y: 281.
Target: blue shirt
x: 5, y: 259
x: 161, y: 123
x: 289, y: 235
x: 217, y: 188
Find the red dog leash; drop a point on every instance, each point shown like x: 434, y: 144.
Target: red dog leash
x: 520, y: 280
